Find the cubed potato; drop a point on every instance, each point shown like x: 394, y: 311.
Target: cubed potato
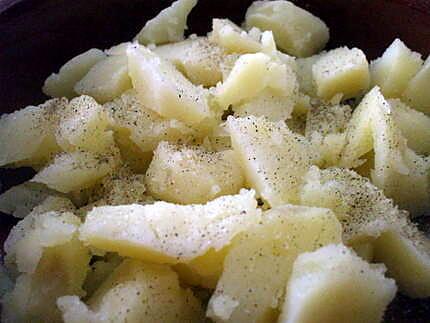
x: 332, y: 284
x: 297, y: 32
x: 253, y: 73
x: 364, y: 250
x: 234, y: 39
x: 341, y: 71
x: 168, y: 26
x: 63, y: 83
x: 267, y: 104
x: 169, y: 233
x: 77, y: 170
x: 136, y: 292
x: 60, y: 267
x: 54, y: 203
x: 407, y: 257
x: 27, y: 135
x: 304, y: 74
x: 106, y: 80
x: 187, y: 175
x: 274, y: 158
x: 416, y: 93
x: 414, y: 125
x: 259, y: 263
x: 197, y: 58
x: 83, y: 126
x: 395, y: 68
x: 161, y: 87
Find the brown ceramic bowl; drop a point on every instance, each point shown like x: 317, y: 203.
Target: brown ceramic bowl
x: 38, y: 36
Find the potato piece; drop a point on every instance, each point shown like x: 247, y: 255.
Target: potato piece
x: 164, y: 89
x: 56, y: 264
x: 304, y: 74
x: 414, y: 125
x: 106, y: 80
x: 27, y: 135
x: 168, y: 26
x: 234, y: 39
x: 267, y: 104
x: 136, y: 292
x: 197, y: 58
x: 77, y: 170
x: 83, y: 126
x: 407, y: 260
x: 169, y: 233
x: 131, y: 155
x: 395, y: 68
x: 62, y: 84
x: 342, y: 70
x: 364, y: 250
x: 332, y: 284
x: 416, y: 93
x: 274, y: 159
x: 259, y: 262
x: 188, y: 175
x: 54, y: 203
x: 297, y: 32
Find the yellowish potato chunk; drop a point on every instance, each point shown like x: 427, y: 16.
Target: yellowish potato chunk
x: 304, y: 73
x: 136, y: 292
x: 63, y: 83
x: 274, y: 158
x: 106, y: 80
x: 168, y: 26
x: 395, y: 68
x: 187, y: 175
x: 297, y: 32
x: 259, y: 263
x: 342, y: 70
x: 332, y: 284
x: 416, y: 93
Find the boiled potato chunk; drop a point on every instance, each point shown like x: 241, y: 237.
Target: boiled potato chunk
x: 395, y: 68
x: 297, y: 32
x: 161, y: 87
x: 304, y: 73
x: 77, y: 170
x: 274, y: 158
x: 136, y: 292
x: 131, y: 155
x: 106, y: 80
x: 168, y: 26
x: 414, y: 125
x: 63, y: 83
x: 407, y: 260
x: 234, y: 39
x: 27, y: 136
x: 170, y: 233
x: 332, y: 284
x: 416, y: 93
x: 188, y: 175
x: 341, y: 71
x: 259, y: 263
x: 83, y: 126
x: 197, y: 58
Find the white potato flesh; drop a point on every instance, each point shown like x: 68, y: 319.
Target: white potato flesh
x: 304, y: 73
x: 106, y: 80
x: 63, y: 83
x: 341, y: 71
x: 297, y: 32
x: 77, y: 170
x: 416, y: 93
x: 187, y: 175
x: 332, y: 284
x: 168, y: 26
x: 197, y: 58
x: 136, y: 292
x: 395, y: 68
x: 161, y: 87
x: 170, y: 233
x: 259, y: 263
x: 27, y: 135
x: 274, y: 158
x: 414, y: 125
x: 83, y: 126
x: 234, y: 39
